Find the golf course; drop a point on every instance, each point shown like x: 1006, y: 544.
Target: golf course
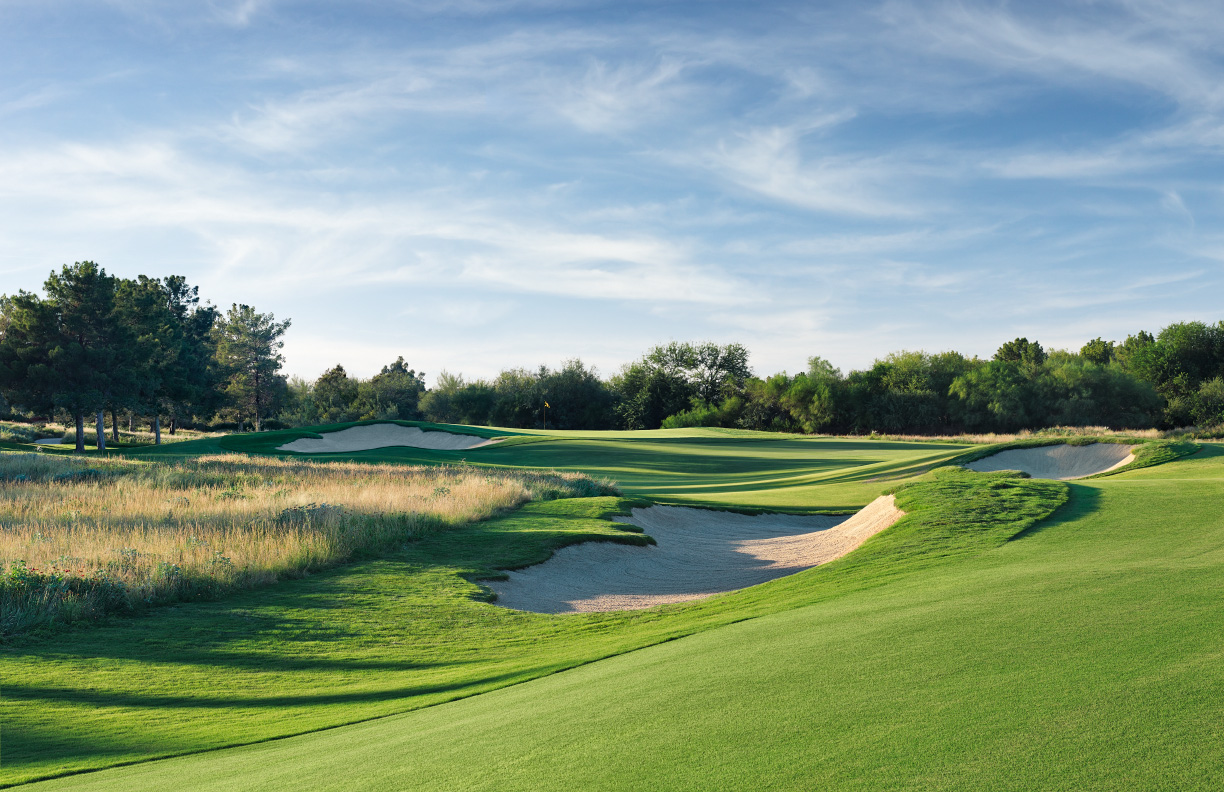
x: 1000, y: 631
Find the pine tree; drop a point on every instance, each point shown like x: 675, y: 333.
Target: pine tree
x: 248, y: 355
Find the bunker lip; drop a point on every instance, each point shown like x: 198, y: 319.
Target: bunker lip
x: 385, y: 435
x: 699, y: 553
x: 1059, y: 462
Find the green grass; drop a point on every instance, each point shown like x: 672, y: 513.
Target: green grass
x: 1082, y: 653
x: 747, y: 471
x: 410, y: 630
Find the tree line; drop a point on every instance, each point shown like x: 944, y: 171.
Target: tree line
x: 1174, y: 378
x: 96, y: 344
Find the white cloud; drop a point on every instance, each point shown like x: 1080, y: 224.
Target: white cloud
x: 768, y: 161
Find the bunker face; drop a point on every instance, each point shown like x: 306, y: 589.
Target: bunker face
x: 699, y: 553
x: 1059, y: 462
x: 366, y: 438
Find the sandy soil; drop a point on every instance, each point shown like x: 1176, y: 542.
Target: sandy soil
x: 1059, y: 462
x: 364, y: 438
x: 699, y: 553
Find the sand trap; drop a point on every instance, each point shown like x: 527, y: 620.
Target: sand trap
x: 1059, y: 462
x: 699, y: 553
x: 50, y: 441
x: 365, y: 438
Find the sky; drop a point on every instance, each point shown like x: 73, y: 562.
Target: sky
x: 479, y: 185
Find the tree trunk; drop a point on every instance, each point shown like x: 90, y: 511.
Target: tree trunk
x: 157, y: 429
x: 80, y: 432
x: 173, y: 424
x: 101, y: 431
x: 114, y: 426
x: 257, y: 404
x: 131, y: 422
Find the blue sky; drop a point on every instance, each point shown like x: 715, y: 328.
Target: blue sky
x: 478, y: 185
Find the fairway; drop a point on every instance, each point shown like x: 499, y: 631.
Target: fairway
x: 707, y: 467
x: 1083, y: 655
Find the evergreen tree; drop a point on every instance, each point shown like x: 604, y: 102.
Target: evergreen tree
x: 248, y: 347
x: 69, y: 350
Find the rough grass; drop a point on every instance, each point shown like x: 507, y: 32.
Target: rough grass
x: 21, y: 432
x: 16, y: 432
x: 82, y: 538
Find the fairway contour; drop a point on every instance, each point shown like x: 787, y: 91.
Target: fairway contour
x: 1059, y: 462
x: 367, y: 438
x: 699, y: 553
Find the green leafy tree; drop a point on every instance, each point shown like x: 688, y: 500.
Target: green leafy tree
x: 1021, y: 350
x: 335, y: 396
x: 519, y: 399
x: 578, y: 398
x: 996, y: 397
x: 248, y: 347
x: 1098, y: 351
x: 394, y: 392
x: 1208, y: 407
x: 647, y: 394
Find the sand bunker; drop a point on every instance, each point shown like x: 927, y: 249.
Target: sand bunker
x: 699, y: 553
x: 1059, y: 462
x: 365, y: 438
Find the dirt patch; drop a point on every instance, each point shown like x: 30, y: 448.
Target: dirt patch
x: 699, y: 553
x: 1059, y: 462
x: 366, y: 438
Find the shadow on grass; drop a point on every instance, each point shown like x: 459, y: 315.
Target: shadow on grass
x: 1081, y: 501
x: 102, y: 698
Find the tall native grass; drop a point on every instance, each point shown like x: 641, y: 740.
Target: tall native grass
x: 83, y: 538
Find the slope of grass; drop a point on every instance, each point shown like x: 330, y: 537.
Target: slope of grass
x: 410, y: 630
x: 1085, y: 653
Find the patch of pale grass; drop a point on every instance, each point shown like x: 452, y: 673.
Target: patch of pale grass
x: 1026, y: 434
x: 78, y: 538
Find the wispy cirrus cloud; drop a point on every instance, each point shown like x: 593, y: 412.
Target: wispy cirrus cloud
x: 832, y: 179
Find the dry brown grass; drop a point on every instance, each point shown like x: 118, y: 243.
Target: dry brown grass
x: 27, y: 432
x: 73, y: 531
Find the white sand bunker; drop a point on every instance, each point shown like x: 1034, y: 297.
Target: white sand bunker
x: 365, y: 438
x: 1059, y: 462
x: 699, y: 553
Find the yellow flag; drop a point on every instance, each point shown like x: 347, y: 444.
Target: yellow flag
x: 549, y: 406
